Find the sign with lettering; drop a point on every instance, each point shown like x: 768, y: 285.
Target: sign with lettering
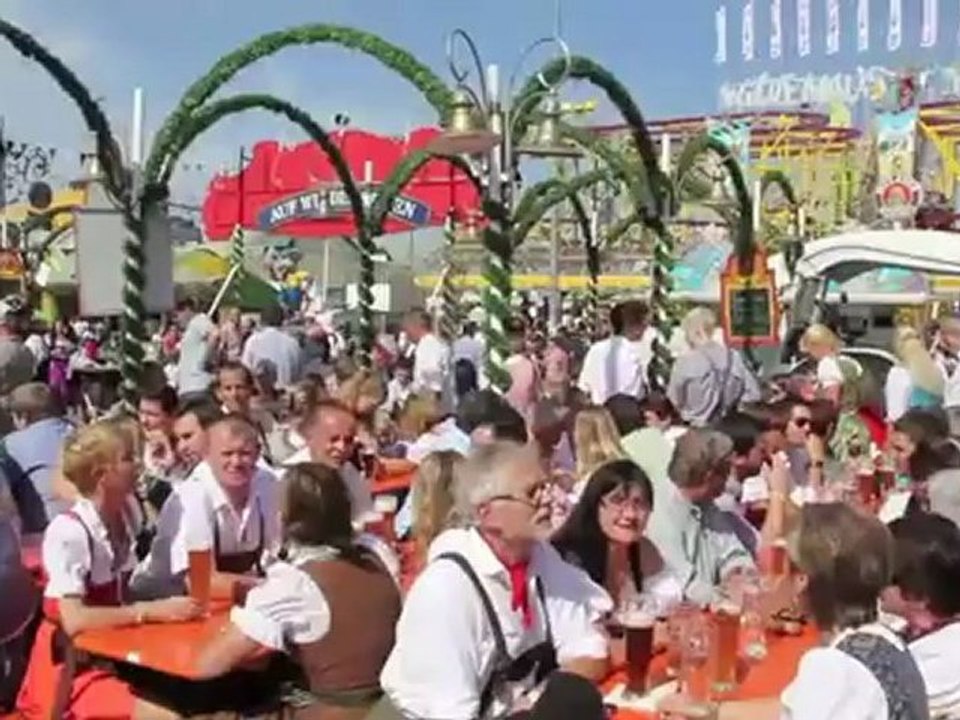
x: 296, y: 192
x: 333, y: 202
x: 748, y: 303
x: 877, y: 84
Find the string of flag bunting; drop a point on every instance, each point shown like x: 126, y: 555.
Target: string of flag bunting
x: 834, y: 28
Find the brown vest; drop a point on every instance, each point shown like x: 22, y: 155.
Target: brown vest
x: 343, y: 667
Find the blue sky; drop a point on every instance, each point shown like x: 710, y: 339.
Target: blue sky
x: 661, y: 49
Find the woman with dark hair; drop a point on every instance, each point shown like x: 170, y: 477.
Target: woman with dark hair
x: 921, y: 451
x: 604, y: 534
x: 331, y: 604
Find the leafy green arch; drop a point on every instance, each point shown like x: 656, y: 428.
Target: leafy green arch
x: 400, y: 177
x: 402, y: 62
x: 744, y: 242
x: 543, y: 196
x: 108, y: 152
x: 210, y: 114
x: 657, y: 192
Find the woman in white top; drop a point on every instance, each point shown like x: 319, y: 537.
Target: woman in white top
x: 604, y: 536
x: 927, y: 596
x: 864, y: 670
x: 331, y: 605
x: 916, y: 381
x: 88, y: 555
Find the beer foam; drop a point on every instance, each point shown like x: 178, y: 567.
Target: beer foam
x: 385, y: 504
x: 635, y: 618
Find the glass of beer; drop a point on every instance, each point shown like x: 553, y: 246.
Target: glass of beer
x: 201, y: 574
x: 386, y: 506
x: 677, y: 623
x: 694, y: 653
x: 724, y: 645
x: 868, y: 487
x: 637, y: 618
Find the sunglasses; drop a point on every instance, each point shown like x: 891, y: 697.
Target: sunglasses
x: 801, y: 422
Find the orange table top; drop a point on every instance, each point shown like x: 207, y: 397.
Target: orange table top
x: 393, y: 476
x: 765, y: 679
x: 170, y: 648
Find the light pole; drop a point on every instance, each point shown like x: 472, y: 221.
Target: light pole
x: 482, y: 125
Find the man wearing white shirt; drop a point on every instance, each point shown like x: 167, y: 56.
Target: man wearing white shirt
x: 501, y: 608
x: 330, y: 433
x: 228, y: 505
x: 618, y: 364
x: 431, y: 358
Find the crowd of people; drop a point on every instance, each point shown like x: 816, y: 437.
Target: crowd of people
x: 534, y: 516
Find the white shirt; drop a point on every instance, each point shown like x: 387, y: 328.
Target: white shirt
x: 470, y: 348
x: 614, y: 366
x: 442, y: 436
x: 831, y: 684
x: 197, y: 511
x: 829, y: 372
x: 444, y: 609
x: 193, y: 373
x: 951, y: 388
x: 361, y: 500
x: 431, y: 364
x: 288, y: 607
x: 938, y: 657
x: 276, y: 347
x: 66, y: 552
x: 896, y: 392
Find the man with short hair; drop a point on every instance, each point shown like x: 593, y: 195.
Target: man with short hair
x: 697, y: 540
x: 927, y: 595
x: 330, y: 431
x: 431, y: 357
x: 502, y: 610
x: 618, y: 364
x: 32, y: 452
x: 272, y: 345
x: 190, y: 441
x: 156, y: 409
x: 710, y: 379
x: 229, y: 505
x: 197, y: 349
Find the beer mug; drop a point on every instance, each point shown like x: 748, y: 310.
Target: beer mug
x: 638, y: 616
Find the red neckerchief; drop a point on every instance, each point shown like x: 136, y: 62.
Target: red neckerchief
x: 520, y: 590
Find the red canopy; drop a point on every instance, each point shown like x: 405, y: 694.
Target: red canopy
x: 294, y: 191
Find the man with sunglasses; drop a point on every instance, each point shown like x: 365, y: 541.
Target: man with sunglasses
x: 501, y: 609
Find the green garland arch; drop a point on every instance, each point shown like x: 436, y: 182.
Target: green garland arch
x: 400, y: 177
x: 423, y: 78
x: 744, y: 241
x: 658, y: 191
x: 108, y: 152
x: 209, y: 115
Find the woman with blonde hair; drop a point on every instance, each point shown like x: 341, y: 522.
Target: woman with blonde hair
x: 88, y: 556
x: 839, y: 380
x: 596, y: 441
x: 433, y: 498
x: 916, y: 381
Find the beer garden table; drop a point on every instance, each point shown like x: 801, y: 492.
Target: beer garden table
x: 764, y: 679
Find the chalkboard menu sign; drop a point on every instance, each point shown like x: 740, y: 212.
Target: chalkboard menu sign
x: 749, y: 303
x: 750, y: 314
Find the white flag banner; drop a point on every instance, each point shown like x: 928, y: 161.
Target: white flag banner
x: 721, y: 57
x: 776, y: 29
x: 931, y: 23
x: 863, y: 25
x: 833, y: 27
x: 803, y: 27
x: 895, y: 31
x: 747, y: 31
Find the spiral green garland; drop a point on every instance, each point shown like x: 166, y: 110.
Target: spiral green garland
x: 400, y: 61
x: 744, y: 241
x: 449, y: 307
